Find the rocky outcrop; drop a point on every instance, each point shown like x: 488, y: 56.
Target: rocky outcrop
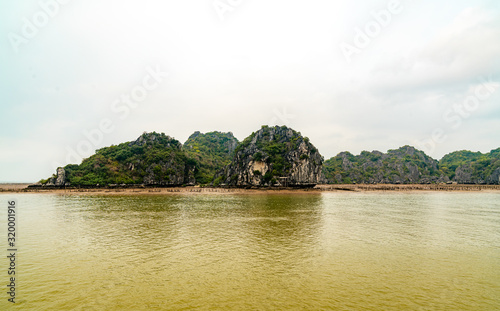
x: 273, y: 156
x: 468, y: 174
x: 494, y: 178
x: 463, y: 175
x: 61, y: 177
x: 57, y: 180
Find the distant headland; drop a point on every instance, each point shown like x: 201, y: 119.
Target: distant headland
x: 272, y: 157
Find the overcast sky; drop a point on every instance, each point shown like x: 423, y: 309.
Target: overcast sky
x: 350, y: 75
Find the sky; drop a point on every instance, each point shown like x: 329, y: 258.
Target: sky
x: 79, y: 75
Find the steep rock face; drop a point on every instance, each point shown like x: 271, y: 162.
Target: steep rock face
x: 401, y: 166
x: 470, y: 174
x: 494, y: 178
x: 211, y: 152
x: 57, y: 180
x: 463, y: 175
x: 61, y: 177
x: 273, y: 156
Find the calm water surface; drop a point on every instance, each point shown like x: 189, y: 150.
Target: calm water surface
x: 330, y: 251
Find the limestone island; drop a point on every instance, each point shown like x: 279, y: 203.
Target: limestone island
x: 271, y: 158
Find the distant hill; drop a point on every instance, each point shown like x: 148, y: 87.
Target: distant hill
x: 211, y: 151
x: 401, y: 166
x: 408, y: 165
x: 466, y: 167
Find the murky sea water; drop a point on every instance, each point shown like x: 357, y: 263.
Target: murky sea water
x: 329, y: 251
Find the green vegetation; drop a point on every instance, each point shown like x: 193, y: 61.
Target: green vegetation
x: 157, y: 159
x: 482, y: 166
x: 403, y: 165
x: 155, y: 155
x: 218, y: 181
x: 408, y: 165
x: 45, y: 181
x: 275, y: 151
x: 450, y: 162
x: 336, y: 172
x: 210, y: 153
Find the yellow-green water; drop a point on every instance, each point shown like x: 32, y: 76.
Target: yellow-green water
x: 330, y: 251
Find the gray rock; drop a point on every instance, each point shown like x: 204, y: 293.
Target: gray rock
x: 61, y: 177
x: 253, y: 164
x: 494, y: 178
x: 463, y: 174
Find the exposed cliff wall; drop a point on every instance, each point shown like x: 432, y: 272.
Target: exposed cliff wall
x: 273, y: 156
x: 57, y: 180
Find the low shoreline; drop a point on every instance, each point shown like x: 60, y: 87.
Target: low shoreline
x: 23, y: 188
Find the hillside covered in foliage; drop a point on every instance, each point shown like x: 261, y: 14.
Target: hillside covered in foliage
x: 408, y: 165
x: 152, y: 159
x: 403, y: 165
x: 466, y: 167
x: 211, y: 151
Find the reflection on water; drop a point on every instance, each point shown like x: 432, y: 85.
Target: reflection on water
x: 339, y: 251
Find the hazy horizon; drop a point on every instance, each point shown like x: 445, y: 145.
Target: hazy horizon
x: 371, y: 75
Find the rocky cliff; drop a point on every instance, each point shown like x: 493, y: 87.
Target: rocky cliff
x: 273, y: 156
x: 57, y: 180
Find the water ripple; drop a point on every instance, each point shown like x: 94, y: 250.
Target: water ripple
x: 341, y: 251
